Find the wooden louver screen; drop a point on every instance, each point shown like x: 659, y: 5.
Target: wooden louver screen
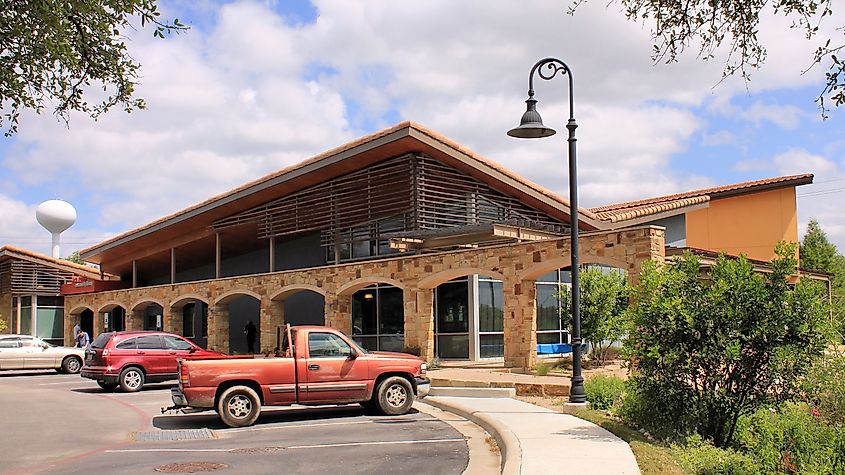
x: 407, y: 193
x: 24, y: 277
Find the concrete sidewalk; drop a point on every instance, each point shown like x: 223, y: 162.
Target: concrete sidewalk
x: 534, y: 440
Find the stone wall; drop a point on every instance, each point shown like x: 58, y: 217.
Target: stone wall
x: 518, y: 265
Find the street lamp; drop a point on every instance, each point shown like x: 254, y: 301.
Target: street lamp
x: 531, y: 127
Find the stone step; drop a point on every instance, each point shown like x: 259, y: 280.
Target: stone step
x: 522, y: 389
x: 472, y: 392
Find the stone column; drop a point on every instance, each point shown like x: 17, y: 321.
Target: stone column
x: 218, y: 328
x: 339, y: 312
x: 99, y: 324
x: 172, y: 320
x: 70, y: 321
x: 135, y: 320
x: 419, y: 320
x: 520, y: 324
x: 272, y: 317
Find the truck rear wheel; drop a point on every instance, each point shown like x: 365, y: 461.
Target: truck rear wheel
x: 238, y: 406
x: 395, y: 396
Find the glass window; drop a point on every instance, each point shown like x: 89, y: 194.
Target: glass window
x: 101, y: 340
x: 548, y: 307
x: 49, y: 322
x: 129, y: 344
x: 150, y: 342
x: 453, y: 346
x: 188, y: 320
x: 50, y: 301
x: 9, y: 343
x: 491, y: 346
x: 327, y: 345
x: 378, y: 311
x: 176, y: 343
x: 491, y: 311
x: 26, y: 316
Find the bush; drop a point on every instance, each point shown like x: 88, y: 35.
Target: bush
x: 792, y: 441
x: 824, y: 388
x: 604, y: 392
x: 715, y: 348
x: 702, y: 458
x: 658, y: 410
x: 541, y: 368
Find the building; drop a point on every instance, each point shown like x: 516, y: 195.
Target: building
x: 405, y: 240
x: 31, y: 301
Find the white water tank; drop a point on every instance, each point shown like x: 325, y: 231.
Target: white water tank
x: 55, y: 216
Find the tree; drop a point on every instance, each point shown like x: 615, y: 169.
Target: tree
x: 708, y: 24
x: 604, y: 298
x: 53, y: 51
x: 705, y: 351
x: 819, y: 254
x: 74, y: 257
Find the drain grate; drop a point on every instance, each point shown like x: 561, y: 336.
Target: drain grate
x: 169, y: 435
x: 190, y: 467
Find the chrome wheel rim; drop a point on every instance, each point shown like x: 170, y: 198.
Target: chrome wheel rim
x: 239, y: 406
x: 396, y: 395
x: 132, y: 379
x: 73, y: 365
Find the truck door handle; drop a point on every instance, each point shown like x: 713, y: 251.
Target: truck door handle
x: 314, y: 367
x: 142, y: 352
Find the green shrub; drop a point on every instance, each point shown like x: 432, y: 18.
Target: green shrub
x: 793, y: 440
x: 824, y: 388
x: 659, y: 410
x: 726, y: 344
x: 604, y: 392
x: 702, y: 458
x: 542, y: 368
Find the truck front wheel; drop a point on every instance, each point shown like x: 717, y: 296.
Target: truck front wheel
x: 395, y: 396
x: 238, y: 406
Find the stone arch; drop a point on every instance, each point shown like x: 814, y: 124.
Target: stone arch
x: 82, y: 315
x: 289, y: 290
x: 358, y: 284
x: 181, y: 300
x: 139, y: 304
x: 79, y: 309
x: 110, y: 305
x: 432, y: 281
x: 225, y: 298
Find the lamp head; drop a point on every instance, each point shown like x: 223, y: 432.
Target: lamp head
x: 531, y: 125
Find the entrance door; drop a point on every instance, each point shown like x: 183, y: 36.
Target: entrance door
x: 452, y: 319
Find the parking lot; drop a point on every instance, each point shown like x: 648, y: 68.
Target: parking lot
x: 54, y: 423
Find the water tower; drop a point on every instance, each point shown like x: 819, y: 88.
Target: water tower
x: 55, y: 216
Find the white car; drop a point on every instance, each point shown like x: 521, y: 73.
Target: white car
x: 29, y: 352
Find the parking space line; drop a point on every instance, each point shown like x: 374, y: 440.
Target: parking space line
x: 368, y: 421
x: 320, y: 446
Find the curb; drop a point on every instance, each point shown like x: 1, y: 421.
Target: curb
x: 508, y: 442
x: 522, y: 389
x: 445, y: 391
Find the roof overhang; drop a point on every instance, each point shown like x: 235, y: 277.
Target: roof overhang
x: 467, y: 237
x: 195, y: 222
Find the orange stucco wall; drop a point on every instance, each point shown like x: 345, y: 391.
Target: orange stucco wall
x: 747, y: 224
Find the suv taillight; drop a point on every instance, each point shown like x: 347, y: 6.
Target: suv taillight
x: 184, y: 379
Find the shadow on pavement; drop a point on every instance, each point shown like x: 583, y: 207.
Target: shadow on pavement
x: 94, y: 389
x: 210, y: 420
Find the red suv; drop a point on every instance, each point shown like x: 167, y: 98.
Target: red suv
x: 131, y: 358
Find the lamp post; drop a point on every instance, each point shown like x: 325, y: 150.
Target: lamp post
x: 531, y: 127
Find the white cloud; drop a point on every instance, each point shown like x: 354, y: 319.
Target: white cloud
x: 249, y: 93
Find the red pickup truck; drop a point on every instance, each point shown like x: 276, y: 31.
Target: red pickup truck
x: 313, y: 366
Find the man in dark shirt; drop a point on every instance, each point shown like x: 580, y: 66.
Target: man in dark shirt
x: 251, y: 333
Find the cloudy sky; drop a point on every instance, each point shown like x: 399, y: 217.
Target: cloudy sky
x: 255, y: 86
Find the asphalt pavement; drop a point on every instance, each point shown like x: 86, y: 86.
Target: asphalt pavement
x: 66, y: 424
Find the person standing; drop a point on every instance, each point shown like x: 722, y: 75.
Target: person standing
x: 251, y: 333
x: 76, y: 329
